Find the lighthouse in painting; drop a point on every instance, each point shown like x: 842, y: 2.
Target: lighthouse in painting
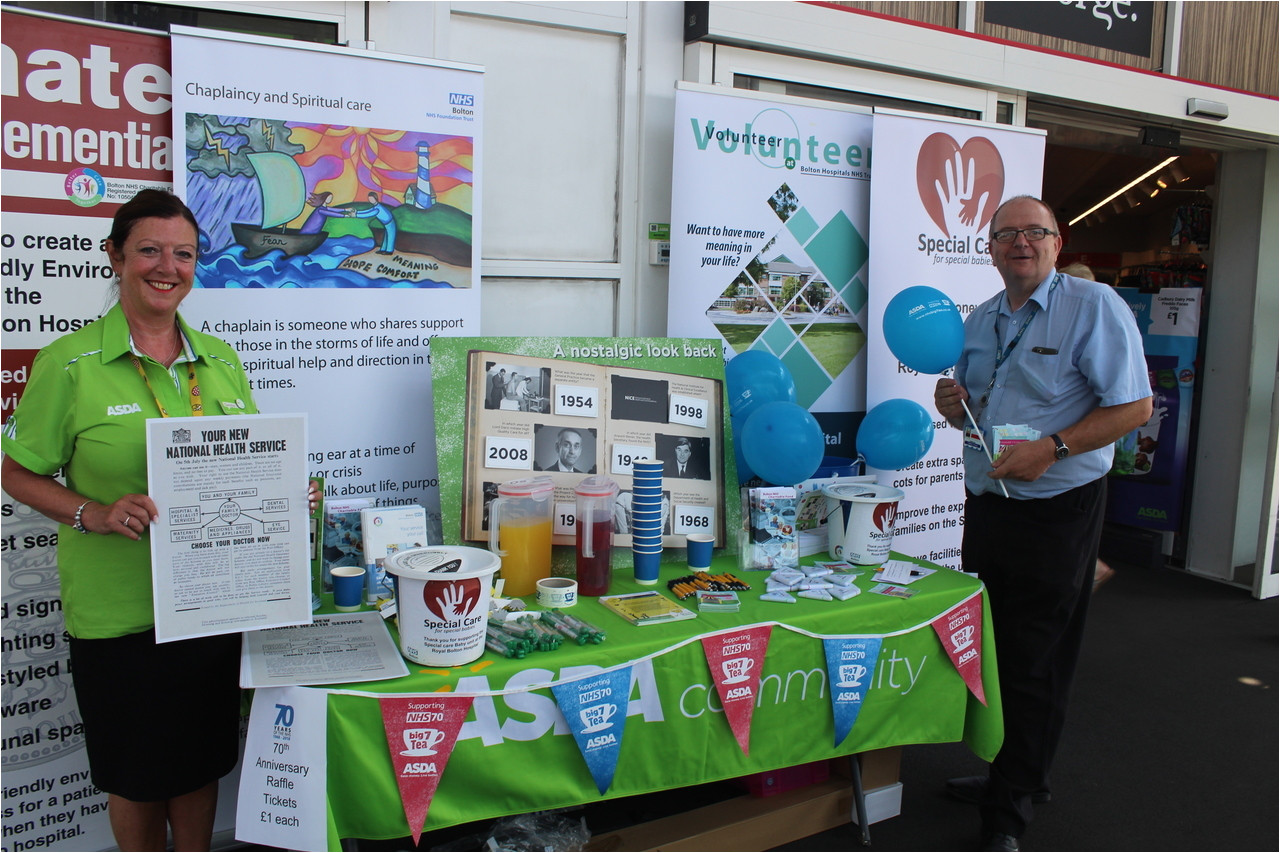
x: 421, y: 195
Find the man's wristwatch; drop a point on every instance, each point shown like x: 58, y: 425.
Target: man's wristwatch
x: 1060, y: 449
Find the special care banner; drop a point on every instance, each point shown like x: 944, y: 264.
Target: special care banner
x: 86, y: 119
x: 769, y: 213
x: 937, y: 183
x: 339, y: 207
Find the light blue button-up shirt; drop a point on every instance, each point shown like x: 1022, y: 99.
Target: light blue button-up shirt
x: 1081, y: 350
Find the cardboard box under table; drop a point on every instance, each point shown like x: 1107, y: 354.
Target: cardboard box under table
x: 515, y: 755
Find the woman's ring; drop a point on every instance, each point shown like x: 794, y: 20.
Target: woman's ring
x: 127, y: 519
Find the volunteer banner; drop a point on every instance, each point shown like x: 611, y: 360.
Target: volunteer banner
x: 937, y: 183
x: 339, y: 207
x: 86, y: 118
x: 769, y: 212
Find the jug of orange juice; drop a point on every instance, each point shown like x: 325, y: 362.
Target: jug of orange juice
x: 520, y: 533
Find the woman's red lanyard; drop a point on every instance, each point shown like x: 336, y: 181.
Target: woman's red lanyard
x: 193, y: 388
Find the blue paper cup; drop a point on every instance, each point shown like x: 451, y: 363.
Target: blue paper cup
x: 654, y: 538
x: 348, y: 587
x: 646, y: 567
x: 698, y: 546
x: 647, y: 531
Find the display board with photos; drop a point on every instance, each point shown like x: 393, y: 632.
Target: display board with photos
x: 570, y: 418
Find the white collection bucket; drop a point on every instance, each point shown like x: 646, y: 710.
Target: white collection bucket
x: 860, y: 521
x: 442, y: 602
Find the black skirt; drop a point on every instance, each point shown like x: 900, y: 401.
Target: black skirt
x: 160, y: 719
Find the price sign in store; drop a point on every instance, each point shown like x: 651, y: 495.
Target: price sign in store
x: 502, y: 451
x: 580, y: 401
x: 564, y: 523
x: 688, y: 410
x: 694, y: 519
x: 623, y: 454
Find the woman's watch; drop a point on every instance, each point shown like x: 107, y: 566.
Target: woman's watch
x: 1060, y: 448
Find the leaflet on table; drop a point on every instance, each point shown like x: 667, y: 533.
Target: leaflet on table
x: 230, y: 551
x: 901, y: 572
x: 334, y: 649
x: 388, y: 530
x: 646, y: 608
x: 572, y: 419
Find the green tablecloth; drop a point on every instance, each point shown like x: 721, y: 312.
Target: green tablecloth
x: 515, y: 755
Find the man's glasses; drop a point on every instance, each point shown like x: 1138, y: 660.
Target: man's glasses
x: 1035, y: 235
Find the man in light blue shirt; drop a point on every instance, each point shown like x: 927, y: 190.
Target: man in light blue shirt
x: 1053, y: 373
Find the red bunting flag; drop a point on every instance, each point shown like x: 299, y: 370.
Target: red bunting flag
x: 421, y: 732
x: 960, y: 630
x: 736, y: 659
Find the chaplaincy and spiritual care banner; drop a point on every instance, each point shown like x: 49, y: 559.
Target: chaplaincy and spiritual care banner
x: 339, y: 204
x: 936, y: 185
x: 769, y: 212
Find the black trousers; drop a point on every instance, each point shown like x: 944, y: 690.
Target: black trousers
x: 1037, y: 559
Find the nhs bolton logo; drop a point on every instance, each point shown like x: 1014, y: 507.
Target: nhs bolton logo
x: 459, y: 99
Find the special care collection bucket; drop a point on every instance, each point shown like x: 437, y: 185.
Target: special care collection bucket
x: 442, y: 601
x: 860, y: 521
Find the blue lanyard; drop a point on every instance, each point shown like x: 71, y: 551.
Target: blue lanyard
x: 1003, y: 355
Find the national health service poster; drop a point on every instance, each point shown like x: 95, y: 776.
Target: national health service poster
x: 769, y: 212
x: 937, y: 183
x: 339, y: 202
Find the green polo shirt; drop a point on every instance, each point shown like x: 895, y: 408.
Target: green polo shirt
x: 84, y: 411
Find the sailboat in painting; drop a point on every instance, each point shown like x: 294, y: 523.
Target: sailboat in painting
x: 284, y: 193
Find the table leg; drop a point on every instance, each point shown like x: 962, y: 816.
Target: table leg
x: 859, y: 800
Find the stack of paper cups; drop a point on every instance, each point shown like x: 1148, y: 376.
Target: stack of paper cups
x: 646, y: 518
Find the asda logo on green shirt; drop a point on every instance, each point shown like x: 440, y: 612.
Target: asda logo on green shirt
x: 127, y: 409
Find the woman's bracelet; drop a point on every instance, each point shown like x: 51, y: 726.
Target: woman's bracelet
x: 79, y: 523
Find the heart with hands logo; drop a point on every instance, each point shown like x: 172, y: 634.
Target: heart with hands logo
x: 959, y: 185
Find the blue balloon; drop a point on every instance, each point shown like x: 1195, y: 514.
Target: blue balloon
x: 895, y: 434
x: 744, y: 470
x: 754, y: 378
x: 924, y: 330
x: 782, y: 443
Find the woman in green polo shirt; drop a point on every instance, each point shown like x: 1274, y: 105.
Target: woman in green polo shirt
x: 161, y: 719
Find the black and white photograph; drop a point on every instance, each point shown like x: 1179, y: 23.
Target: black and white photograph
x: 567, y: 450
x: 684, y: 457
x: 638, y: 399
x: 517, y: 388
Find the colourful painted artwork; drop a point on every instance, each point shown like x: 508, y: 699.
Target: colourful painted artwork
x: 290, y: 204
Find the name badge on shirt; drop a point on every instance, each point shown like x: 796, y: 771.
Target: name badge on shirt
x: 972, y: 439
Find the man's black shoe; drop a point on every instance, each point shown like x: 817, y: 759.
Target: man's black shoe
x: 1000, y: 841
x: 973, y: 789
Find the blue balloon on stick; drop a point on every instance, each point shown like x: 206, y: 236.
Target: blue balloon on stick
x: 754, y: 378
x: 895, y: 434
x: 782, y: 443
x: 924, y: 330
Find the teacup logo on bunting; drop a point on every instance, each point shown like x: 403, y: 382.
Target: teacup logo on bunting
x: 736, y: 670
x: 421, y: 741
x: 962, y: 639
x: 959, y: 186
x: 597, y: 717
x: 883, y: 516
x: 452, y: 600
x: 851, y: 675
